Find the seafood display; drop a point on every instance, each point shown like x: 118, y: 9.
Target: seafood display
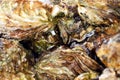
x: 59, y: 39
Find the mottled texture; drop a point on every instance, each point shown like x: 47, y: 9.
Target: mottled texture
x: 109, y: 52
x: 20, y: 18
x: 59, y: 39
x: 14, y: 64
x: 65, y: 64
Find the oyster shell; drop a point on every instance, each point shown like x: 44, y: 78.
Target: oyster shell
x: 85, y: 16
x: 65, y: 64
x: 87, y: 76
x: 12, y: 54
x: 16, y: 76
x: 109, y: 52
x: 108, y: 74
x: 23, y: 18
x: 14, y: 64
x: 79, y: 26
x: 98, y: 12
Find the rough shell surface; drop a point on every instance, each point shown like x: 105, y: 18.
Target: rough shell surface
x: 65, y: 64
x: 14, y: 64
x: 32, y: 33
x: 109, y: 52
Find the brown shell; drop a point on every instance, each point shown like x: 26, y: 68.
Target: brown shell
x: 63, y: 21
x: 109, y: 52
x: 20, y: 18
x: 65, y: 64
x: 14, y: 64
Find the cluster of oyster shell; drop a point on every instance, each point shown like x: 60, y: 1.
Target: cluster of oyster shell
x: 59, y: 39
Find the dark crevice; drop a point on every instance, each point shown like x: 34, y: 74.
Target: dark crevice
x: 72, y: 43
x: 93, y: 55
x: 27, y: 44
x: 77, y: 17
x: 59, y: 37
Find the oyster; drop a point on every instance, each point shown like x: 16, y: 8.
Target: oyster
x: 21, y: 19
x: 84, y: 16
x: 65, y: 33
x: 109, y: 52
x: 87, y: 76
x: 108, y: 74
x: 99, y: 12
x: 11, y: 53
x: 65, y: 64
x: 17, y: 76
x: 14, y: 64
